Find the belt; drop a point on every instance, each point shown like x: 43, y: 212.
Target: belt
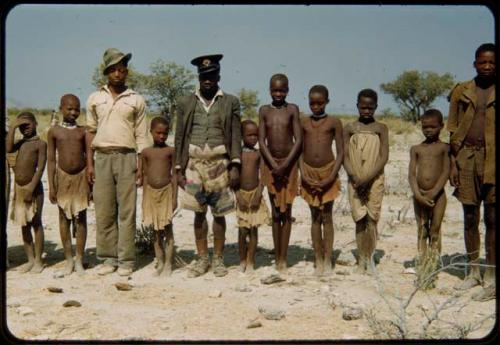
x: 114, y: 150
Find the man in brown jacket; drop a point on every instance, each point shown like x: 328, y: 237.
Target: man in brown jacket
x: 471, y: 122
x: 208, y: 148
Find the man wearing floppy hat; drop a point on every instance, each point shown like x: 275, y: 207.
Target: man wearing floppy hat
x: 208, y: 148
x: 116, y: 132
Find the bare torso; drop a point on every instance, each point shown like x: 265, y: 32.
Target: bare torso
x: 429, y: 162
x: 158, y: 165
x: 318, y: 138
x: 70, y: 147
x: 475, y: 135
x: 249, y: 177
x: 27, y: 161
x: 278, y: 124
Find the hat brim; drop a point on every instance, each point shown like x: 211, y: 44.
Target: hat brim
x: 125, y: 58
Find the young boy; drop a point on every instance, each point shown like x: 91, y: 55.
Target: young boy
x: 366, y: 153
x: 319, y: 171
x: 280, y: 141
x: 68, y: 185
x: 159, y: 198
x: 251, y: 208
x: 428, y: 172
x: 28, y: 190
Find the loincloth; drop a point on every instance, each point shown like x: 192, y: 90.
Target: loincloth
x: 369, y: 202
x: 22, y: 212
x: 252, y: 218
x: 157, y: 206
x: 472, y: 190
x: 73, y: 192
x: 283, y: 190
x: 318, y: 174
x: 207, y: 182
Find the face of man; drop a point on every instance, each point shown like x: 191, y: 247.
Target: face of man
x: 485, y: 64
x: 117, y: 74
x: 209, y: 82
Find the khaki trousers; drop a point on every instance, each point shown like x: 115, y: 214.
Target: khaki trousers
x: 115, y: 197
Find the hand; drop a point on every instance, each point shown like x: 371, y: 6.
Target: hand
x: 52, y: 196
x: 454, y: 181
x: 424, y: 201
x: 234, y: 177
x: 324, y: 184
x: 280, y: 170
x: 181, y: 179
x: 241, y: 203
x: 19, y: 122
x: 90, y: 174
x: 356, y: 182
x: 138, y: 178
x: 255, y: 203
x: 28, y: 198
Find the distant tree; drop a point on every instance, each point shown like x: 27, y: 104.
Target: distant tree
x: 249, y: 103
x: 134, y: 78
x: 166, y: 83
x: 415, y: 91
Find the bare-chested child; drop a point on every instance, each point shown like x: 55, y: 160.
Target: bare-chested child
x: 280, y: 142
x: 428, y: 172
x: 27, y: 203
x: 68, y: 185
x: 251, y: 209
x: 366, y: 153
x: 159, y: 198
x: 319, y: 171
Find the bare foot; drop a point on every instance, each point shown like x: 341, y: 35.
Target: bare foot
x: 281, y: 267
x: 328, y: 267
x: 361, y: 269
x: 79, y: 268
x: 249, y: 268
x: 158, y: 268
x: 69, y: 267
x: 167, y: 271
x: 37, y: 268
x: 243, y: 266
x: 26, y: 267
x: 318, y: 271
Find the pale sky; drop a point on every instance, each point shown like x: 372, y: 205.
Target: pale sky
x: 53, y: 49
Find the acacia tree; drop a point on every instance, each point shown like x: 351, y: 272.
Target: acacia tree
x: 249, y: 103
x: 415, y: 91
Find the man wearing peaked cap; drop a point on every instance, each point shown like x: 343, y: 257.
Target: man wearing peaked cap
x: 208, y: 148
x: 116, y: 132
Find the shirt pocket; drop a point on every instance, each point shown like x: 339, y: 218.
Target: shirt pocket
x: 128, y: 109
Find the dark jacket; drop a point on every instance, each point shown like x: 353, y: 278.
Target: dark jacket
x: 231, y: 126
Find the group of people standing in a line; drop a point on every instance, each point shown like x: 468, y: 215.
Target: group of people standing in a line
x: 215, y: 163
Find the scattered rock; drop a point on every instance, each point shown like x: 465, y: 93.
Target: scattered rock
x: 58, y: 274
x: 352, y: 313
x: 24, y: 311
x: 242, y: 288
x: 271, y: 314
x: 325, y: 288
x: 215, y: 294
x: 409, y: 270
x: 271, y: 279
x: 342, y: 272
x: 54, y: 289
x: 254, y: 324
x: 346, y: 259
x: 331, y: 302
x: 164, y: 328
x: 72, y: 303
x: 14, y: 303
x: 123, y: 286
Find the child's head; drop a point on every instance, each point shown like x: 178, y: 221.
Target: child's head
x: 70, y: 108
x: 432, y: 123
x: 367, y: 103
x: 484, y: 62
x: 318, y: 99
x: 28, y: 127
x: 278, y: 87
x: 250, y: 132
x: 159, y: 130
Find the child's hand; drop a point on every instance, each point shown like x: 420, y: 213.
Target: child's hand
x: 138, y: 178
x: 454, y: 181
x: 19, y: 122
x: 90, y: 175
x: 280, y: 170
x: 424, y: 201
x: 234, y: 177
x: 241, y: 203
x: 52, y: 196
x: 181, y: 179
x: 255, y: 203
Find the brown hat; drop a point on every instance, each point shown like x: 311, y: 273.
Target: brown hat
x: 112, y: 56
x: 207, y: 63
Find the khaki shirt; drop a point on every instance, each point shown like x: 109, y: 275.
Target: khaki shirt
x: 119, y: 122
x: 463, y: 104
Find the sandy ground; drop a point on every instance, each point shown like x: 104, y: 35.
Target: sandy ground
x: 210, y: 308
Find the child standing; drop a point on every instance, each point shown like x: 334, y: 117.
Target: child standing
x: 428, y: 172
x: 68, y: 184
x: 366, y: 153
x: 159, y: 198
x: 251, y: 208
x: 319, y: 171
x: 280, y: 142
x: 27, y: 203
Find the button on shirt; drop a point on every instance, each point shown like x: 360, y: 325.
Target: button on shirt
x: 119, y: 122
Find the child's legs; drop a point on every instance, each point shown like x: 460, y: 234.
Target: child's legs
x: 420, y: 217
x: 276, y: 226
x: 242, y: 244
x: 219, y: 230
x: 360, y: 239
x: 201, y: 232
x: 435, y: 223
x: 489, y: 220
x: 38, y: 230
x: 29, y: 246
x: 252, y: 246
x: 65, y: 232
x: 285, y: 236
x: 317, y: 239
x: 328, y: 233
x: 169, y: 245
x: 371, y: 237
x: 472, y: 238
x: 81, y: 234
